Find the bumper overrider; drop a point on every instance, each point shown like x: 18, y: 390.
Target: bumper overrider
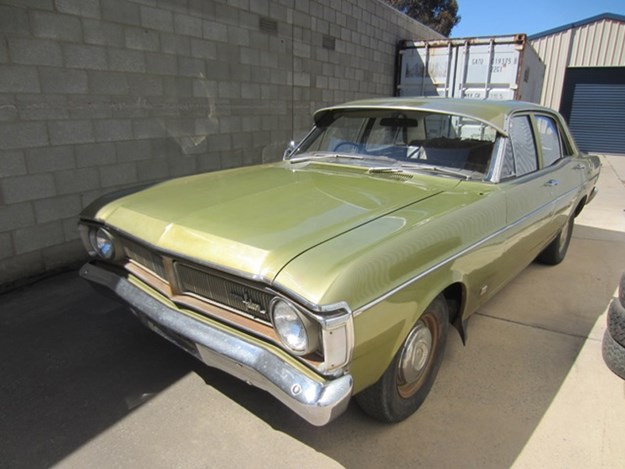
x: 313, y: 397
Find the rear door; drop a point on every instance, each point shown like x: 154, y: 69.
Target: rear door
x: 541, y: 182
x: 565, y: 171
x: 529, y: 194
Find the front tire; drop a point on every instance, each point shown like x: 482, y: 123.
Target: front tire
x: 406, y: 382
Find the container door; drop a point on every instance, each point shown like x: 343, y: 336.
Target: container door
x: 427, y: 71
x: 487, y: 71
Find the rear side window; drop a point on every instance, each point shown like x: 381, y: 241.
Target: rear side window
x: 525, y: 156
x: 549, y: 140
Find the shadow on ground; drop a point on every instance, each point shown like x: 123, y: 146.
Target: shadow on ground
x: 74, y: 363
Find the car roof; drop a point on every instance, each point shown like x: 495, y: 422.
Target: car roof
x: 490, y: 112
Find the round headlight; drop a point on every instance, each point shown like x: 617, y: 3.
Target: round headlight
x: 297, y: 332
x: 102, y: 243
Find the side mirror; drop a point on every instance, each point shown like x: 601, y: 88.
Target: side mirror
x: 288, y: 151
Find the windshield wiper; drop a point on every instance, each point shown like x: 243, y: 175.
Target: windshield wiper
x: 386, y: 170
x: 321, y: 156
x: 396, y: 168
x: 443, y: 170
x: 402, y: 167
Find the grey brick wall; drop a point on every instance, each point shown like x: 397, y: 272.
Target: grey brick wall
x: 96, y: 95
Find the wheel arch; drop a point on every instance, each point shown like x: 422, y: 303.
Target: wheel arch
x: 580, y: 206
x: 455, y: 296
x: 377, y: 352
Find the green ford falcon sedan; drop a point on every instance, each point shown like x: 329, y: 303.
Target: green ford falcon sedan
x: 338, y: 271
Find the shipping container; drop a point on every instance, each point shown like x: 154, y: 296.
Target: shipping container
x: 503, y: 67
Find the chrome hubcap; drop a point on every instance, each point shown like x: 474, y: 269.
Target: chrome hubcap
x: 416, y: 353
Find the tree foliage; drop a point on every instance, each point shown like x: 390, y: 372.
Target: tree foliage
x: 440, y: 15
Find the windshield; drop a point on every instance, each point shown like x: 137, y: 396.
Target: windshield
x: 402, y: 139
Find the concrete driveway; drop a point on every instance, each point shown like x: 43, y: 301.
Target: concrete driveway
x: 84, y: 385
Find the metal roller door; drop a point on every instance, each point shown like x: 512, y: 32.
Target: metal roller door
x: 597, y: 118
x: 593, y: 103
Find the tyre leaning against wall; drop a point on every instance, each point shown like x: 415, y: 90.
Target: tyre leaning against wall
x: 616, y: 321
x: 613, y: 348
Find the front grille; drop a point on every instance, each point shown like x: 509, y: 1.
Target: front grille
x: 221, y: 290
x: 204, y: 283
x: 145, y: 257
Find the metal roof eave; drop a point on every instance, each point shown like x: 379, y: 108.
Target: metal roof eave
x: 577, y: 24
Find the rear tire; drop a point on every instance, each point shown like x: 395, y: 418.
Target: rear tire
x: 406, y: 382
x: 555, y: 252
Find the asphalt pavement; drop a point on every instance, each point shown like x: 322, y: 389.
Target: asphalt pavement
x: 83, y: 384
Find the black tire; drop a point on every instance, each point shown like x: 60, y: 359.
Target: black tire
x: 396, y: 395
x: 555, y: 252
x: 621, y: 291
x: 613, y: 355
x: 616, y: 321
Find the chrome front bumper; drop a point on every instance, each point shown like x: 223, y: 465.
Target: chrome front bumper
x: 318, y: 401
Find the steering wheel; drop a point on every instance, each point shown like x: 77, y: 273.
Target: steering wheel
x: 353, y: 147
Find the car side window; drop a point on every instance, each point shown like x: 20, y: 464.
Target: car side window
x: 523, y: 146
x: 549, y: 139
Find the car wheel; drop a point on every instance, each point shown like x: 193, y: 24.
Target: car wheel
x: 408, y: 379
x: 613, y: 355
x: 555, y: 252
x: 621, y: 291
x: 616, y: 321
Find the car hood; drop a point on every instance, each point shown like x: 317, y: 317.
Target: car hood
x: 254, y: 220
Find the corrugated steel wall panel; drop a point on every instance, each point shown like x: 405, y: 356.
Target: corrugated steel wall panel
x: 599, y: 44
x: 553, y: 50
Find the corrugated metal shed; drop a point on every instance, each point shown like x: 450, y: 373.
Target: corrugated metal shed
x: 594, y: 42
x: 585, y: 79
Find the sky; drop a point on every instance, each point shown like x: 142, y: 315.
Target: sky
x: 504, y: 17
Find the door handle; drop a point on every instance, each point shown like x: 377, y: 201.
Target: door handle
x: 552, y: 182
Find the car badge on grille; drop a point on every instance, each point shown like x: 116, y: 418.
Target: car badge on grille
x: 248, y: 303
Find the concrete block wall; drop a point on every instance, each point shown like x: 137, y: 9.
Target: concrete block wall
x: 96, y: 95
